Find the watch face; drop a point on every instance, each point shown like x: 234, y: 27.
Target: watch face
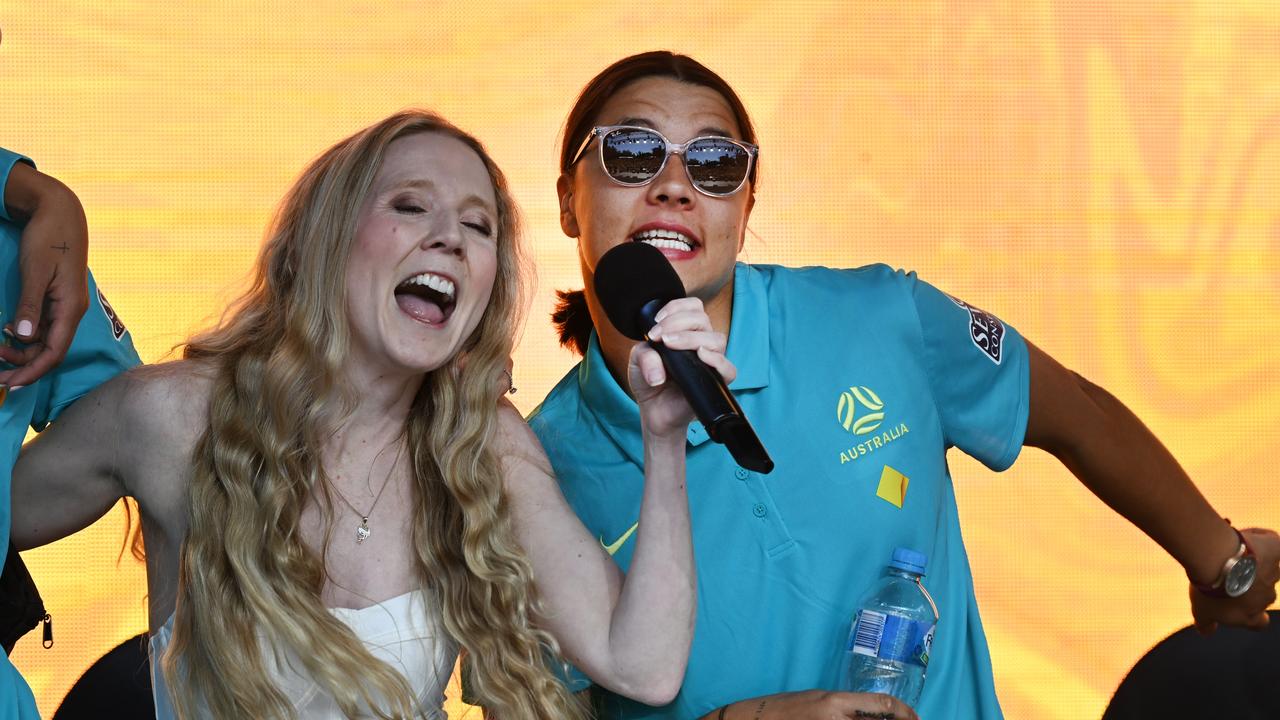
x: 1240, y: 576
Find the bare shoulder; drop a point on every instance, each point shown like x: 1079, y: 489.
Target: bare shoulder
x: 153, y: 406
x: 166, y: 393
x: 163, y: 413
x: 518, y: 447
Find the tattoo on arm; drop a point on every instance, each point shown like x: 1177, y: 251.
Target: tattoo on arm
x: 63, y: 247
x: 760, y: 709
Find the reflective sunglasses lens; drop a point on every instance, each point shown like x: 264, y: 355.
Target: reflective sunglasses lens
x: 717, y: 166
x: 632, y: 157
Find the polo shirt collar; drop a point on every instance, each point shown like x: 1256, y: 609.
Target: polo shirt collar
x: 619, y: 415
x: 749, y: 329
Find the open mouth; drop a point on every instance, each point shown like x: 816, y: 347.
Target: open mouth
x: 665, y: 240
x: 427, y: 297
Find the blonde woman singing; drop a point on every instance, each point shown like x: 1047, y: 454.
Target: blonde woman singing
x: 334, y: 503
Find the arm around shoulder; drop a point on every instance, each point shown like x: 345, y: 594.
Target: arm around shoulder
x: 74, y: 471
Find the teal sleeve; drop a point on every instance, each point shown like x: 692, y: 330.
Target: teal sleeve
x: 101, y: 349
x: 978, y: 372
x: 16, y: 700
x: 8, y: 159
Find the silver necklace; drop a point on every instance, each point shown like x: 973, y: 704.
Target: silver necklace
x: 363, y: 532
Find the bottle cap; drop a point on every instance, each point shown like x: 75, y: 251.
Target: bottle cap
x: 909, y: 560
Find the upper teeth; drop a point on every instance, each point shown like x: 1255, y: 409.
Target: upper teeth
x: 442, y: 285
x: 669, y: 239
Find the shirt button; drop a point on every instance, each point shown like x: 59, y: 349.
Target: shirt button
x: 760, y: 510
x: 740, y: 473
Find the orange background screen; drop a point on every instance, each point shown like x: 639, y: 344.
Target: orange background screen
x: 1102, y: 176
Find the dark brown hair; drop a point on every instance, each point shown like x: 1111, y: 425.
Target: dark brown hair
x: 571, y: 317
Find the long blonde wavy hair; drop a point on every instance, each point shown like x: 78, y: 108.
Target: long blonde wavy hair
x: 245, y: 572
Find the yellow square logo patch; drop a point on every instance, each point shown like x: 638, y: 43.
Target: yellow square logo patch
x: 893, y: 486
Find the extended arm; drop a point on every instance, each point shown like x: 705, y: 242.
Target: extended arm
x: 1109, y: 449
x: 66, y: 477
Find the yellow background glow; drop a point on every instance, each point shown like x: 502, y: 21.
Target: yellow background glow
x: 1102, y: 176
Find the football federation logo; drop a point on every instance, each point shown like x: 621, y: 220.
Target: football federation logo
x: 859, y: 410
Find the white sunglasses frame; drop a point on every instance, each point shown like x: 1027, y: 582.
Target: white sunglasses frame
x: 599, y: 131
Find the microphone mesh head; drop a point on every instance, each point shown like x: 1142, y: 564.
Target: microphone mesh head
x: 629, y: 276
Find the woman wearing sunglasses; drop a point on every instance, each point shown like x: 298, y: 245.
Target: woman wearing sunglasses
x: 857, y: 381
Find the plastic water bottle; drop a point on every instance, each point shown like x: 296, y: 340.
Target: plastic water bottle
x: 892, y: 633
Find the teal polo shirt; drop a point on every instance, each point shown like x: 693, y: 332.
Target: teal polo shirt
x: 858, y: 382
x: 101, y: 349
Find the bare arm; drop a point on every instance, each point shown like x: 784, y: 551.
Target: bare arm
x: 66, y: 477
x: 1109, y: 449
x: 815, y: 705
x: 631, y: 634
x: 627, y: 636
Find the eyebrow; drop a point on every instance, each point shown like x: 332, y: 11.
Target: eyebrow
x: 424, y: 184
x: 414, y: 183
x: 704, y: 131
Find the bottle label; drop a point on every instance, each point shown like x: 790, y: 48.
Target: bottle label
x: 891, y: 637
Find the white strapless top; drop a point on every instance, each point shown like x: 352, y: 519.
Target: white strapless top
x: 399, y: 631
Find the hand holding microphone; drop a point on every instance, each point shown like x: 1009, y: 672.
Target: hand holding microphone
x: 681, y: 325
x: 635, y: 284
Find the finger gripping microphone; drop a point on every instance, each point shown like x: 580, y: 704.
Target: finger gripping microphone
x: 633, y: 281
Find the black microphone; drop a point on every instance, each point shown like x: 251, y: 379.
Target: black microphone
x: 633, y: 281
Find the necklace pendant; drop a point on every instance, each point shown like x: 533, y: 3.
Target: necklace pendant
x: 362, y: 532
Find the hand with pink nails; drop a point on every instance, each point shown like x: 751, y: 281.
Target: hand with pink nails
x: 53, y: 259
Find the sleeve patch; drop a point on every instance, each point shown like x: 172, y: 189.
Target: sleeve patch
x: 985, y: 329
x: 117, y: 326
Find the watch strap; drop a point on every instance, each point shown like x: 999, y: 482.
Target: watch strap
x: 1218, y: 589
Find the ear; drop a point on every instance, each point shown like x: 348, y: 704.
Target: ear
x: 568, y: 220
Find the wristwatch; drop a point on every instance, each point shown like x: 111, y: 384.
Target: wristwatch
x: 1237, y: 573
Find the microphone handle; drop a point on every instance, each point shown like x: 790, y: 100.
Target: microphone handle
x: 705, y: 390
x: 715, y: 407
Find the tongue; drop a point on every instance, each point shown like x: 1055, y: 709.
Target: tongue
x: 421, y: 309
